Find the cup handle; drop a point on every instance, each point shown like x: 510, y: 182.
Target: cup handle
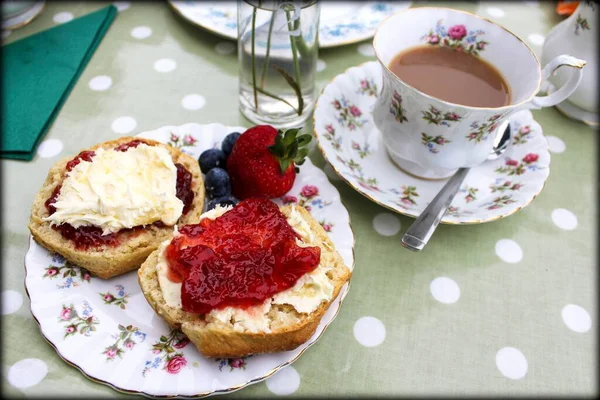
x: 565, y: 90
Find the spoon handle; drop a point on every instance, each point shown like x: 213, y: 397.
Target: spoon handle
x: 417, y: 236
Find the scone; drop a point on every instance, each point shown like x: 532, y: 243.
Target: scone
x: 280, y: 322
x: 112, y: 205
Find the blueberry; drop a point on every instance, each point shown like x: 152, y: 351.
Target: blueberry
x: 228, y: 142
x: 222, y: 201
x: 217, y: 183
x: 212, y: 158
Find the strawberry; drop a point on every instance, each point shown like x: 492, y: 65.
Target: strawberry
x: 263, y: 161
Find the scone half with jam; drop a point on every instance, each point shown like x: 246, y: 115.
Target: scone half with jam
x: 255, y: 278
x: 113, y: 204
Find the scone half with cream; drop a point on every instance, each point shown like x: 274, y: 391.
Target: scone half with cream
x: 112, y: 205
x: 255, y: 278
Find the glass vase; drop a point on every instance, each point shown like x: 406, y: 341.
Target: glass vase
x: 277, y: 56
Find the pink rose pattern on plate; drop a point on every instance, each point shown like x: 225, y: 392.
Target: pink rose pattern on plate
x: 514, y: 167
x: 74, y: 323
x: 307, y: 198
x: 327, y: 226
x: 471, y: 193
x: 407, y: 197
x: 166, y: 354
x: 73, y: 275
x: 368, y: 87
x: 457, y: 37
x: 119, y: 299
x: 232, y: 363
x: 522, y: 135
x: 127, y: 337
x: 349, y: 115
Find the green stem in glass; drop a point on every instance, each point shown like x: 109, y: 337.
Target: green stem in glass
x: 253, y: 33
x: 268, y: 52
x: 295, y: 60
x: 277, y: 98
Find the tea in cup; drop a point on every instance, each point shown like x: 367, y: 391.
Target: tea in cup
x: 450, y: 78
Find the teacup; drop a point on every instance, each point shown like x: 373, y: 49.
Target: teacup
x: 431, y: 138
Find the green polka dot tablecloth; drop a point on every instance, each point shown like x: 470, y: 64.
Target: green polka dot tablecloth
x: 506, y: 307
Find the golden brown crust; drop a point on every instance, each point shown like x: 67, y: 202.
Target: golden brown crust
x: 107, y: 262
x: 222, y: 341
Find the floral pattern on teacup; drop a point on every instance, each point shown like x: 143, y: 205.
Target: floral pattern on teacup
x: 349, y: 115
x: 232, y: 363
x: 514, y: 167
x: 368, y: 87
x: 457, y: 37
x: 127, y: 337
x: 431, y: 141
x: 434, y: 116
x: 83, y: 324
x: 119, y: 299
x: 396, y: 108
x: 166, y: 353
x: 480, y: 132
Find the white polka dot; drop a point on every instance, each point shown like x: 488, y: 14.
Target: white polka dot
x: 386, y: 224
x: 330, y: 172
x: 536, y: 39
x: 165, y: 65
x: 576, y: 318
x: 366, y: 50
x: 511, y: 363
x: 100, y: 83
x: 122, y: 5
x: 225, y: 48
x: 495, y: 12
x: 62, y: 17
x: 555, y: 144
x: 6, y: 34
x: 284, y: 382
x: 369, y: 331
x: 564, y: 219
x: 124, y: 124
x: 444, y: 290
x: 49, y: 148
x: 193, y: 102
x: 11, y: 301
x: 141, y: 32
x: 509, y: 251
x: 26, y: 373
x: 321, y: 65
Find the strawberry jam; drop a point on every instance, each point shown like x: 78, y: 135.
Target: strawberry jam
x: 86, y: 237
x: 239, y: 259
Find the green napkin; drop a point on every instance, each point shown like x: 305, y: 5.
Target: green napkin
x: 39, y: 72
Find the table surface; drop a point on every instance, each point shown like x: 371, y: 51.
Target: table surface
x: 462, y: 348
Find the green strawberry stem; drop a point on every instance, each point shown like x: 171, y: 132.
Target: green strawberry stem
x: 290, y: 148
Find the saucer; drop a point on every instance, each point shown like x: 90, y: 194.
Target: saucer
x: 351, y: 143
x: 340, y: 23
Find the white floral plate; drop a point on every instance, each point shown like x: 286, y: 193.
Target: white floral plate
x: 340, y: 23
x: 352, y: 144
x: 107, y: 330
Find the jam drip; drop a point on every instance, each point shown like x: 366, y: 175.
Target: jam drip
x: 86, y: 237
x: 239, y: 259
